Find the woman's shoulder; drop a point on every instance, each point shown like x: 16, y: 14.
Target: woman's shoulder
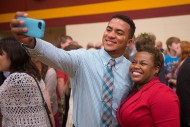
x: 186, y: 63
x: 19, y: 78
x: 161, y: 87
x: 163, y: 92
x: 18, y: 75
x: 17, y: 82
x: 51, y: 71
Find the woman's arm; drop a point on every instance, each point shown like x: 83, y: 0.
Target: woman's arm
x: 165, y: 109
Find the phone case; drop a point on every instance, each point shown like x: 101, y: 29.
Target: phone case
x: 35, y: 27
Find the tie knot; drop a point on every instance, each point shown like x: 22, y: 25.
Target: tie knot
x: 111, y: 63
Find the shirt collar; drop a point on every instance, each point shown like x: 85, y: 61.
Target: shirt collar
x: 105, y: 57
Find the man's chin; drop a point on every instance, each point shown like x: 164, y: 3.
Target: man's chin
x: 109, y: 48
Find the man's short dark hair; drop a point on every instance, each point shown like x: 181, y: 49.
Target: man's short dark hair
x: 129, y: 21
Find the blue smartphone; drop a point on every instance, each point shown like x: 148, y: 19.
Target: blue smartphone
x: 36, y: 28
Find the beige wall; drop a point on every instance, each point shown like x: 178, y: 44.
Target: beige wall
x: 52, y: 34
x: 162, y: 27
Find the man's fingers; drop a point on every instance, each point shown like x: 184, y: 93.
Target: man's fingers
x: 18, y: 30
x: 23, y: 14
x: 16, y: 22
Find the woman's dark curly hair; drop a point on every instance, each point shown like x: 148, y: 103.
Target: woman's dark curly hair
x: 157, y: 56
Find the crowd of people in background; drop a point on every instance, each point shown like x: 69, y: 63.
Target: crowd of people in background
x: 151, y: 85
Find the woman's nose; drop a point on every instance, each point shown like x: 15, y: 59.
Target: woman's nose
x: 136, y: 65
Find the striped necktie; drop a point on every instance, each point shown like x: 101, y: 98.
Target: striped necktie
x: 107, y: 91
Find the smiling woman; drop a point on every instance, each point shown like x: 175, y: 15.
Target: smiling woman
x: 143, y: 69
x: 151, y: 103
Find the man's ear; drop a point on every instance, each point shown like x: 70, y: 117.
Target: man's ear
x: 129, y: 42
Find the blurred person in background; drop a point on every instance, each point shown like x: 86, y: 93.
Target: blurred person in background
x: 23, y: 93
x: 90, y: 45
x: 62, y: 79
x: 64, y: 40
x: 159, y: 45
x: 2, y: 78
x: 98, y: 45
x: 131, y: 50
x: 68, y: 91
x: 183, y: 81
x: 148, y: 39
x: 49, y: 76
x: 171, y: 59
